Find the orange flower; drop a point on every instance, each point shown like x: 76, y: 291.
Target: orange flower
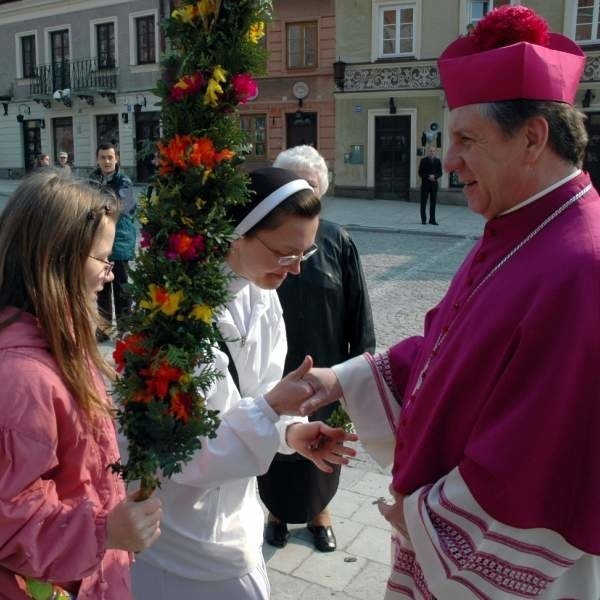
x: 130, y: 343
x: 159, y: 377
x: 173, y: 154
x: 181, y: 405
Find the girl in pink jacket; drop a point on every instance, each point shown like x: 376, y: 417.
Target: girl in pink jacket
x: 64, y: 517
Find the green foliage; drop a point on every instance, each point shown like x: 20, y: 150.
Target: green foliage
x: 178, y: 281
x: 339, y: 418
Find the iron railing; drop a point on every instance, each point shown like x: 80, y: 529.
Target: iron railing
x: 85, y: 75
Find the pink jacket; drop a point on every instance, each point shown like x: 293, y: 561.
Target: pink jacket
x: 55, y: 484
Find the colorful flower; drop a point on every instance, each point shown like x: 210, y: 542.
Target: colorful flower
x: 162, y: 300
x: 181, y: 405
x: 214, y: 89
x: 186, y: 86
x: 184, y: 151
x: 159, y: 377
x: 145, y: 239
x: 244, y: 86
x: 129, y: 344
x: 201, y: 312
x: 184, y: 246
x: 256, y: 32
x: 173, y: 154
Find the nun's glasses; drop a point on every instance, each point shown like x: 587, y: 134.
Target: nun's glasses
x: 291, y: 259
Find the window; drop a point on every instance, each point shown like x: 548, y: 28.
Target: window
x: 107, y: 130
x: 145, y: 39
x: 478, y: 9
x: 105, y: 45
x: 301, y: 45
x: 255, y: 128
x: 28, y: 61
x: 396, y: 30
x: 586, y: 26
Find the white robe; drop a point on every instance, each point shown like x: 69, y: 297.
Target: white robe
x: 456, y: 550
x: 212, y: 526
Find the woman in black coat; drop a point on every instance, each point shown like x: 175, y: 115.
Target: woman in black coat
x: 327, y: 314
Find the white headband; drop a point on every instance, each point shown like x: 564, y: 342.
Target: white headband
x: 265, y: 206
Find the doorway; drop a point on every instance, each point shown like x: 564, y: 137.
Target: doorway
x: 301, y: 128
x: 32, y: 143
x: 63, y: 137
x: 392, y: 157
x: 591, y: 163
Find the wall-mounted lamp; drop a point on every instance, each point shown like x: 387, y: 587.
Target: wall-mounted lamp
x: 587, y: 98
x: 125, y: 117
x: 140, y: 101
x: 392, y: 107
x: 5, y: 100
x: 339, y: 73
x: 24, y: 109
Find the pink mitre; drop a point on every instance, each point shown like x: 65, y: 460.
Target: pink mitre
x: 511, y: 55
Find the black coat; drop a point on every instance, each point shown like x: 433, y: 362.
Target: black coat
x: 430, y: 165
x: 327, y: 314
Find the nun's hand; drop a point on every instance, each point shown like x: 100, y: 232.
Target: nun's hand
x: 287, y: 396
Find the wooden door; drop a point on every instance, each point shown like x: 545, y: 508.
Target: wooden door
x: 392, y: 157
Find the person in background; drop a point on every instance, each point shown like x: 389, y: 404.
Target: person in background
x: 108, y: 178
x: 42, y: 161
x: 64, y: 517
x: 430, y: 170
x: 213, y: 523
x: 327, y: 314
x: 496, y: 475
x: 63, y: 163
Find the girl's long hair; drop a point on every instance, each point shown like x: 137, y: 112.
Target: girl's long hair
x: 47, y: 230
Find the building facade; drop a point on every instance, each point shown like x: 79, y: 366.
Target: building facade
x: 295, y: 104
x: 389, y: 104
x: 77, y: 74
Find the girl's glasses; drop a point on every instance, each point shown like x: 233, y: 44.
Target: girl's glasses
x: 108, y: 265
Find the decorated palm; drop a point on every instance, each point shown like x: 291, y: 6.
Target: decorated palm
x: 178, y: 284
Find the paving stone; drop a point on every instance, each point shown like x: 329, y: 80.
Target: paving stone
x: 369, y: 514
x: 317, y: 592
x: 284, y: 586
x: 370, y: 583
x: 372, y: 543
x: 345, y: 503
x: 329, y: 569
x: 289, y: 558
x: 373, y: 484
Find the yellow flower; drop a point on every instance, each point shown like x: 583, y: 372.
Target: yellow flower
x: 201, y: 312
x: 207, y: 7
x: 256, y: 32
x: 143, y: 219
x: 187, y: 222
x: 163, y: 300
x: 200, y: 203
x: 219, y: 74
x: 154, y: 199
x: 186, y: 13
x: 212, y: 90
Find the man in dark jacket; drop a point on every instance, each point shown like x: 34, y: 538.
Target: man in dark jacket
x: 107, y: 177
x: 430, y: 170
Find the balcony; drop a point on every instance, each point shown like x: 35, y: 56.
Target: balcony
x: 86, y: 78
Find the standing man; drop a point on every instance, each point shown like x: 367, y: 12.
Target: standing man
x: 63, y: 164
x: 107, y: 177
x: 494, y: 411
x: 430, y: 170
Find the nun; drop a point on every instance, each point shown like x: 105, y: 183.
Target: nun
x: 212, y: 525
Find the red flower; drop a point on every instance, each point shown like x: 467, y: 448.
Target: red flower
x: 186, y: 86
x: 145, y: 239
x: 184, y: 246
x: 158, y: 378
x: 131, y: 343
x: 508, y: 25
x: 244, y: 86
x: 181, y: 405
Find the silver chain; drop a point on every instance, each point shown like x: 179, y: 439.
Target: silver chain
x: 493, y: 271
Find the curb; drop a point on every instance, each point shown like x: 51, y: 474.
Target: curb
x: 354, y: 227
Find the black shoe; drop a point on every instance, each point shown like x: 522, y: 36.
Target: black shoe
x: 323, y: 538
x: 277, y: 534
x: 433, y: 223
x: 423, y: 222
